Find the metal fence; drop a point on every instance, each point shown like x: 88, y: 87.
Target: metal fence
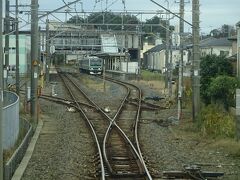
x: 16, y: 158
x: 10, y: 119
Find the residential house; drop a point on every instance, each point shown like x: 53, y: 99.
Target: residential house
x: 217, y: 46
x: 155, y: 58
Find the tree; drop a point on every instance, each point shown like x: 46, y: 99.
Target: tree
x: 76, y: 20
x: 211, y: 67
x: 222, y: 89
x: 111, y: 18
x: 156, y: 29
x: 224, y: 31
x: 159, y: 30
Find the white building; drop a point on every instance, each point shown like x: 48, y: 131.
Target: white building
x: 154, y: 58
x: 24, y: 53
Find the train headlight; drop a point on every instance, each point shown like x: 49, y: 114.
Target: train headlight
x: 99, y: 68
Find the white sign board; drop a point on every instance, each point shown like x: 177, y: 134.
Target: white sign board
x: 52, y: 49
x: 35, y: 75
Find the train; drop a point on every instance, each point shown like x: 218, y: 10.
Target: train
x: 91, y: 65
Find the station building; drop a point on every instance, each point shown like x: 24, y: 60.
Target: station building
x: 119, y: 49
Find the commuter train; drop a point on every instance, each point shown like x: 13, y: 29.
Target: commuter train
x: 91, y: 65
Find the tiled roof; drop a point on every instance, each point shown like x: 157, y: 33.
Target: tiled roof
x: 215, y: 42
x: 157, y: 48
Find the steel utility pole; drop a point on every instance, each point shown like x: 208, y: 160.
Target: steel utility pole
x: 6, y: 49
x: 1, y: 90
x: 17, y: 50
x: 196, y: 59
x: 170, y: 68
x: 139, y: 53
x: 167, y: 49
x: 180, y: 76
x: 167, y: 54
x: 47, y: 51
x: 34, y: 58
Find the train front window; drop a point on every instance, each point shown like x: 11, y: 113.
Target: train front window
x: 95, y: 63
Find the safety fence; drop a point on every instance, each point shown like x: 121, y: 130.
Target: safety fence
x: 12, y: 164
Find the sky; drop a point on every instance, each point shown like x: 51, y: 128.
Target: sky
x: 213, y: 13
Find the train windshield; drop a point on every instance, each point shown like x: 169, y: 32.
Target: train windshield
x: 96, y: 62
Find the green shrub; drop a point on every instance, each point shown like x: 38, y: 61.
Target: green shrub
x: 222, y: 89
x: 216, y: 122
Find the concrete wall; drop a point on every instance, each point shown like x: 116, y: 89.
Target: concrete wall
x: 156, y: 60
x: 234, y: 47
x: 132, y: 67
x: 10, y: 119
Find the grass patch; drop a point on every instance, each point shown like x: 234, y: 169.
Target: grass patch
x: 216, y: 122
x: 189, y: 131
x: 229, y: 146
x: 93, y: 85
x: 148, y: 75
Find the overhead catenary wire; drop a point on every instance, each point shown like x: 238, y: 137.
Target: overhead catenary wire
x: 190, y: 24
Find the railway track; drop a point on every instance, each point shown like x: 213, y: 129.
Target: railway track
x: 136, y: 94
x: 121, y: 158
x: 118, y: 151
x: 77, y: 105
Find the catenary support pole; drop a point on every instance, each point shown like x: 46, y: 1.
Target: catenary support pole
x: 139, y: 53
x: 238, y: 114
x: 167, y: 55
x: 167, y: 49
x: 180, y: 75
x: 196, y: 59
x: 170, y: 68
x: 6, y: 48
x: 47, y: 51
x: 17, y: 51
x: 1, y: 91
x: 34, y: 58
x: 238, y: 49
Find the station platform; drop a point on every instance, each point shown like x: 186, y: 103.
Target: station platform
x: 52, y: 70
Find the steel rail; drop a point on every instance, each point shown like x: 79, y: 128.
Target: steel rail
x: 136, y: 123
x: 65, y: 101
x: 112, y: 124
x: 92, y: 129
x: 107, y: 134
